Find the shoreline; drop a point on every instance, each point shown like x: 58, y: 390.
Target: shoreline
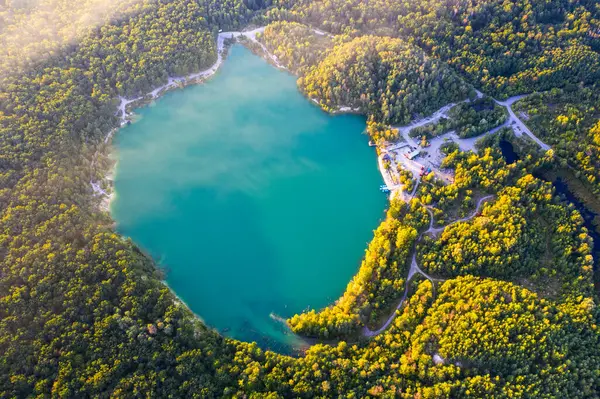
x: 250, y: 41
x: 178, y: 301
x: 103, y: 188
x: 107, y: 196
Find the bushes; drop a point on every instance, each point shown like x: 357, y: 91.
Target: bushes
x: 385, y: 78
x: 83, y: 313
x: 468, y: 119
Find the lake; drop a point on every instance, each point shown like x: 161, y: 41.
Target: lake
x: 254, y: 201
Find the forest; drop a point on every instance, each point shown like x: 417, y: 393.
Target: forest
x: 524, y: 233
x: 503, y: 48
x: 512, y: 311
x: 569, y: 120
x: 387, y: 79
x: 467, y: 119
x: 296, y: 45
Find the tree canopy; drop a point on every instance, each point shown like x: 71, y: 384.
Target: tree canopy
x: 511, y: 312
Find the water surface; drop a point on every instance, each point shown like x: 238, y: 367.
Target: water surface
x: 508, y: 151
x: 588, y: 215
x: 252, y: 198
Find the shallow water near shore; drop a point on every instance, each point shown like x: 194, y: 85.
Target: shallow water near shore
x: 255, y: 201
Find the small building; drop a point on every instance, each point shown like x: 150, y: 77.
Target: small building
x: 412, y: 155
x: 398, y: 146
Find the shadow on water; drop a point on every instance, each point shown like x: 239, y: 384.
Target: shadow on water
x: 591, y: 220
x: 508, y: 151
x: 588, y: 215
x: 565, y: 186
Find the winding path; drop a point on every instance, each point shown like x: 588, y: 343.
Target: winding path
x: 437, y: 230
x: 465, y: 144
x: 173, y: 82
x: 414, y: 267
x: 404, y: 130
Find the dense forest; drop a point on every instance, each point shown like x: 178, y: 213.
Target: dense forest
x: 296, y: 45
x: 512, y: 313
x: 524, y: 233
x: 504, y: 48
x: 379, y: 282
x: 569, y: 120
x: 388, y: 79
x: 82, y: 311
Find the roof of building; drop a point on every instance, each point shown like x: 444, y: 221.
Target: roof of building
x: 414, y: 154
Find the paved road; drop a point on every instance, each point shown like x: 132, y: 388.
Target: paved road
x: 518, y: 126
x: 513, y: 121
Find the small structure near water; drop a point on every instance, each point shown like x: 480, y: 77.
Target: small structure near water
x: 412, y: 155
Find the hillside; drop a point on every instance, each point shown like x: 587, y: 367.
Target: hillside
x: 503, y: 304
x: 385, y: 78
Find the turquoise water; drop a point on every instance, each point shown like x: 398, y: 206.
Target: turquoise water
x: 254, y: 200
